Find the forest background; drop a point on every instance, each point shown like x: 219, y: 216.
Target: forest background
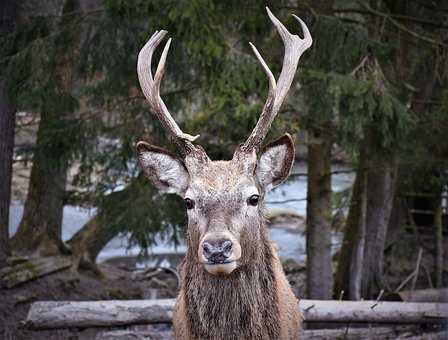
x: 372, y: 88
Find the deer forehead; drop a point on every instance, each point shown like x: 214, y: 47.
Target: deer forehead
x: 221, y: 180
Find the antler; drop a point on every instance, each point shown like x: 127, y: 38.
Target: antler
x: 151, y: 90
x: 294, y: 47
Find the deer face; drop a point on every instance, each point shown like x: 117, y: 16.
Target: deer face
x: 224, y: 199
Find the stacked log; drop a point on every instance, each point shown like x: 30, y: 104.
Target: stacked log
x: 22, y: 270
x: 111, y: 313
x: 385, y: 333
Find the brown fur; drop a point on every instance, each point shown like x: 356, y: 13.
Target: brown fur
x: 250, y: 298
x: 244, y: 294
x: 253, y: 302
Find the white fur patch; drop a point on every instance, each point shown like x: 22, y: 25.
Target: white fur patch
x: 167, y: 173
x: 271, y: 167
x: 221, y: 269
x: 249, y: 191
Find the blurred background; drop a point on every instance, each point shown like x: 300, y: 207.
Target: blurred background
x: 364, y: 211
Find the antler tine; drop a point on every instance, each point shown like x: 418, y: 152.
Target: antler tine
x: 151, y: 88
x: 294, y: 48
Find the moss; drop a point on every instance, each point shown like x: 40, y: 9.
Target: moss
x: 26, y: 266
x: 117, y: 294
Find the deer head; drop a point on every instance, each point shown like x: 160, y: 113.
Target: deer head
x: 224, y: 199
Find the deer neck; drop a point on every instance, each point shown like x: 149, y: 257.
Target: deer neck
x: 243, y: 304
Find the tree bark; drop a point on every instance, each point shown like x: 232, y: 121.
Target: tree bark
x: 360, y: 267
x: 438, y: 225
x: 318, y: 221
x: 382, y: 173
x: 8, y: 12
x: 85, y: 314
x: 307, y: 334
x: 87, y: 243
x: 348, y: 275
x: 39, y: 232
x: 352, y: 333
x: 318, y: 211
x: 32, y: 269
x: 425, y: 295
x: 357, y: 255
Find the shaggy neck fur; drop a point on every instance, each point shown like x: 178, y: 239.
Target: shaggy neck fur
x: 243, y: 305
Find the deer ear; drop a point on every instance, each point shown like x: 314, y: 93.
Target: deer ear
x: 275, y: 163
x: 164, y: 170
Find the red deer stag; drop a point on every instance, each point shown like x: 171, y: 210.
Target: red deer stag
x: 232, y: 282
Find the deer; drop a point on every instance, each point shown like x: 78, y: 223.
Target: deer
x: 232, y: 282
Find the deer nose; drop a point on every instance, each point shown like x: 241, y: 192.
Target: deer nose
x: 218, y: 251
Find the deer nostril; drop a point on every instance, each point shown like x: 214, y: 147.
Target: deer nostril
x: 207, y: 248
x: 227, y: 246
x: 219, y: 252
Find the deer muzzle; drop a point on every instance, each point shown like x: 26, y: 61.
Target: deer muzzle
x: 219, y: 253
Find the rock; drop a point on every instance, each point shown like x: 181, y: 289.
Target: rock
x: 286, y: 219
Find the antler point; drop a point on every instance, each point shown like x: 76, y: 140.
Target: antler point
x: 188, y: 137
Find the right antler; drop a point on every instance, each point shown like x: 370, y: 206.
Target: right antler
x: 294, y: 47
x: 151, y: 90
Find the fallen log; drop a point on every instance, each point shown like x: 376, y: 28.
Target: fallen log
x: 318, y: 334
x: 350, y: 333
x: 425, y: 295
x: 84, y: 314
x: 373, y: 311
x: 31, y: 269
x: 442, y: 335
x: 135, y: 335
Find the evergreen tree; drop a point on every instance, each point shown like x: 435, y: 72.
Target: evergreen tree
x: 8, y: 17
x: 389, y: 107
x: 39, y: 231
x: 369, y: 84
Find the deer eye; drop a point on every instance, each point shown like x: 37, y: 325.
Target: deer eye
x: 253, y: 200
x: 189, y: 204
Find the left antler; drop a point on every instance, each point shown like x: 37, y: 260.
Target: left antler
x: 294, y: 48
x: 151, y: 89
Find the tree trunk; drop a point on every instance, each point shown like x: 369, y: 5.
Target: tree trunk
x: 348, y: 275
x: 87, y: 243
x: 438, y: 225
x: 382, y: 173
x: 360, y: 267
x: 8, y: 17
x: 318, y: 210
x: 39, y: 232
x: 318, y: 221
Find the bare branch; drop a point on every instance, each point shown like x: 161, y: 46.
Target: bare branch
x: 402, y: 27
